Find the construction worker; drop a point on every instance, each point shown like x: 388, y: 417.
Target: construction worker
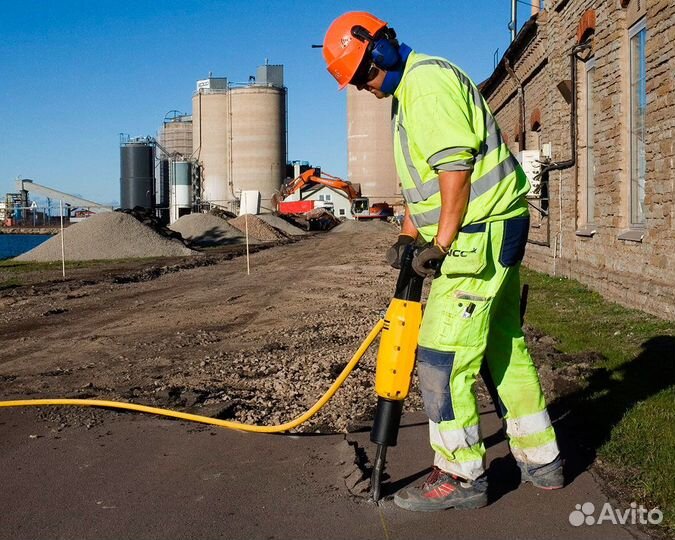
x: 465, y: 202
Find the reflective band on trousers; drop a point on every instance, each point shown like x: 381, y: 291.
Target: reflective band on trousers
x: 479, y: 187
x: 537, y: 455
x: 467, y: 469
x: 527, y: 425
x: 453, y: 439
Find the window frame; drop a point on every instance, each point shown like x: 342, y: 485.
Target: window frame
x: 589, y: 181
x: 636, y: 217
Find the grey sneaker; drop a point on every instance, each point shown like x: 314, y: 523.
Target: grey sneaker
x: 549, y: 476
x: 442, y: 490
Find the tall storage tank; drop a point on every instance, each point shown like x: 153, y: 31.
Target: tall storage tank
x: 175, y: 135
x: 181, y: 197
x: 137, y: 178
x: 210, y: 118
x: 162, y: 197
x: 370, y: 146
x: 257, y: 156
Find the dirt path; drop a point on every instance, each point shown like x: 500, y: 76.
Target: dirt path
x: 256, y: 347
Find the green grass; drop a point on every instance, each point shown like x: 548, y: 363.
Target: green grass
x: 19, y: 267
x: 627, y: 405
x: 582, y: 320
x: 9, y: 284
x: 644, y: 441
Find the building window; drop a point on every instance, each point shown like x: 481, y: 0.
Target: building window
x: 590, y: 136
x: 638, y: 109
x: 321, y: 197
x: 342, y: 211
x: 328, y: 197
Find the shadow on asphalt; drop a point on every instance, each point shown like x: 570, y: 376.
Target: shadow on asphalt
x: 389, y: 488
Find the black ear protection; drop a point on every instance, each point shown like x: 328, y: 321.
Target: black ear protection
x: 384, y: 53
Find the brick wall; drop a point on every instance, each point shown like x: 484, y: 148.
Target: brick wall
x: 638, y: 274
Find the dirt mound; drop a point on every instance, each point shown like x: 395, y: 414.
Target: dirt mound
x: 257, y: 228
x: 110, y: 235
x: 281, y: 224
x: 207, y: 230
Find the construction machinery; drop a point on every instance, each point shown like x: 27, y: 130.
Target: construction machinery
x: 360, y: 206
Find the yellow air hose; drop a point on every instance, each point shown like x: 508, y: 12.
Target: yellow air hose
x: 205, y: 419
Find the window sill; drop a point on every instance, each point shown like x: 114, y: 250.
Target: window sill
x: 632, y: 235
x: 587, y: 231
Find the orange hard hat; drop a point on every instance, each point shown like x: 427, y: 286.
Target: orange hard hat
x: 342, y: 51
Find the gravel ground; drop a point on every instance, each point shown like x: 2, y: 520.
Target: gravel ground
x: 215, y: 341
x: 207, y: 230
x: 282, y: 225
x: 373, y: 226
x: 257, y: 228
x: 110, y: 235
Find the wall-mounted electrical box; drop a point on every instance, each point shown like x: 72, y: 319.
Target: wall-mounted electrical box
x: 546, y: 151
x: 530, y: 161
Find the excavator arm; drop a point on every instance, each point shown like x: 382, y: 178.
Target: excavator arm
x: 310, y: 177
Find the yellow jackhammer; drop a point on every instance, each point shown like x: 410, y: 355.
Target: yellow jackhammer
x: 395, y: 363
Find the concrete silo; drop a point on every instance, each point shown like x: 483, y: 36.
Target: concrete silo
x: 175, y: 135
x: 210, y: 118
x: 370, y: 146
x: 257, y: 133
x: 239, y: 137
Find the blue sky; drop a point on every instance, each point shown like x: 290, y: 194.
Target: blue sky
x: 75, y: 74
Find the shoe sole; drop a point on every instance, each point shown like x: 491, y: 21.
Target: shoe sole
x: 478, y: 501
x: 545, y: 488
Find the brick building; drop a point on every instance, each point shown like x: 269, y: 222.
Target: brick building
x: 590, y: 86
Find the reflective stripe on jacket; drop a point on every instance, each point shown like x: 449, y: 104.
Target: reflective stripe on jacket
x: 442, y: 123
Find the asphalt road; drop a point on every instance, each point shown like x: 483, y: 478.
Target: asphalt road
x: 139, y: 477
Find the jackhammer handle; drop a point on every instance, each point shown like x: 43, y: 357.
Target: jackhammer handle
x: 409, y: 283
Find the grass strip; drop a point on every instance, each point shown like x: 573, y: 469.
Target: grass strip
x: 628, y: 402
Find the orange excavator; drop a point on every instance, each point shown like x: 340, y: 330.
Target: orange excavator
x: 359, y: 205
x: 310, y: 177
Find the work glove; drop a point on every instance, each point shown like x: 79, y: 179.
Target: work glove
x: 395, y: 253
x: 428, y: 260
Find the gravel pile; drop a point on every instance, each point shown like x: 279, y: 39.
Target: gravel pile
x: 110, y: 235
x: 207, y: 230
x: 257, y: 228
x: 282, y: 225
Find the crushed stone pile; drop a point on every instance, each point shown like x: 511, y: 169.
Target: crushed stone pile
x: 257, y: 228
x: 207, y: 230
x: 110, y: 235
x: 282, y: 225
x: 148, y: 217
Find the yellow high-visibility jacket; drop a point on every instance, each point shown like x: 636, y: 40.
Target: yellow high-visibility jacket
x: 442, y: 123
